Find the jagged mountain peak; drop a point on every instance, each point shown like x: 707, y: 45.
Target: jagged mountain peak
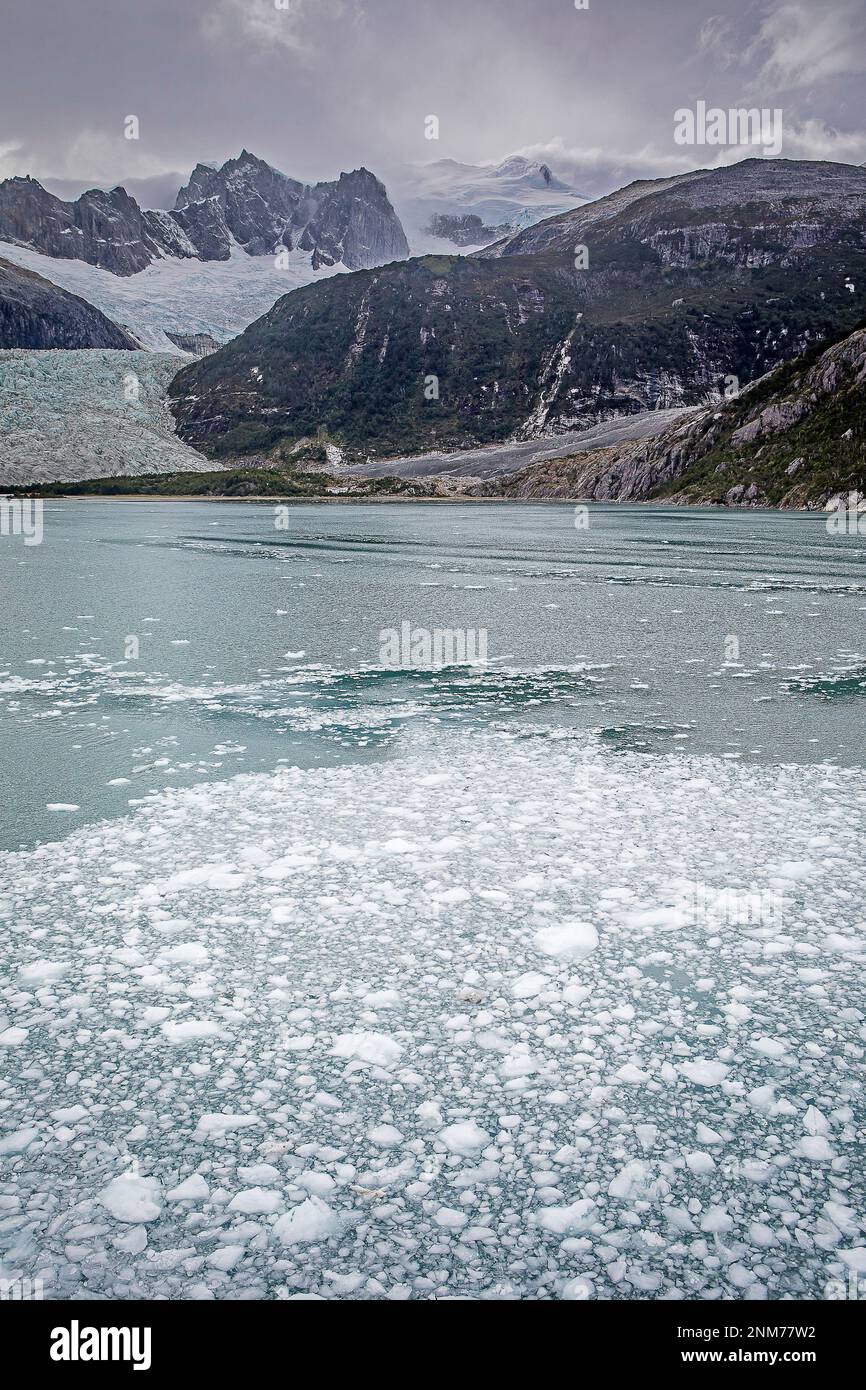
x: 244, y: 201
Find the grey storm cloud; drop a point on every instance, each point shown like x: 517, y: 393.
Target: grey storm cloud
x: 317, y: 86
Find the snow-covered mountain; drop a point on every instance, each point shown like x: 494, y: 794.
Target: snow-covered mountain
x: 180, y: 297
x: 239, y: 236
x: 245, y: 200
x: 443, y: 196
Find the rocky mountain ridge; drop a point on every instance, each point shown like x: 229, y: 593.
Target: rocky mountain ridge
x: 453, y: 352
x: 245, y: 201
x: 794, y: 438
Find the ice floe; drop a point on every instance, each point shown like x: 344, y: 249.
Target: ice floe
x: 454, y: 1024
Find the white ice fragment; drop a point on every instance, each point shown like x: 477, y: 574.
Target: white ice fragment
x: 716, y: 1221
x: 528, y: 985
x: 216, y: 1124
x: 375, y: 1048
x: 17, y: 1141
x: 700, y: 1163
x: 466, y: 1138
x: 192, y: 1189
x: 191, y: 1030
x: 131, y: 1198
x: 567, y: 941
x: 704, y: 1073
x: 256, y: 1201
x: 311, y: 1220
x: 560, y: 1221
x: 449, y: 1218
x: 815, y: 1147
x: 578, y: 1290
x: 259, y: 1173
x: 386, y: 1136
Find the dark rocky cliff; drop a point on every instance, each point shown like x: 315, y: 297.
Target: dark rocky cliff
x: 36, y: 314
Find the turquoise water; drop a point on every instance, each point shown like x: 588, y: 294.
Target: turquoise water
x: 259, y: 646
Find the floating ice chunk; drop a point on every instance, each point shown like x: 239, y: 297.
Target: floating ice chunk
x: 226, y: 1258
x: 259, y: 1173
x: 762, y: 1098
x: 13, y: 1037
x: 320, y: 1184
x: 632, y: 1075
x: 528, y: 985
x: 716, y: 1221
x: 843, y: 1218
x: 18, y: 1141
x: 188, y: 953
x: 844, y: 945
x: 256, y: 1201
x: 814, y: 1122
x: 453, y: 895
x: 705, y: 1135
x: 386, y: 1136
x: 376, y: 1048
x: 69, y: 1114
x: 449, y: 1218
x: 795, y: 869
x: 40, y: 972
x: 466, y: 1138
x: 578, y: 1290
x: 61, y: 806
x: 769, y: 1047
x: 854, y: 1259
x: 704, y: 1073
x: 646, y: 1134
x: 191, y: 1030
x: 567, y: 941
x: 133, y: 1241
x: 815, y: 1147
x: 560, y: 1221
x: 311, y: 1220
x: 632, y: 1180
x: 216, y: 1124
x: 762, y: 1235
x: 131, y: 1198
x: 429, y: 1114
x: 192, y: 1189
x: 381, y: 999
x: 700, y: 1163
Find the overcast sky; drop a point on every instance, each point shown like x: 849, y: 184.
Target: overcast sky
x: 317, y: 86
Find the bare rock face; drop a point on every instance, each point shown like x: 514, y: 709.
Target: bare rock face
x: 36, y: 314
x: 756, y: 213
x: 711, y: 457
x: 105, y: 229
x: 246, y: 200
x: 196, y: 344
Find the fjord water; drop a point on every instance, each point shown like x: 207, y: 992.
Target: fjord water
x: 541, y: 980
x: 673, y: 631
